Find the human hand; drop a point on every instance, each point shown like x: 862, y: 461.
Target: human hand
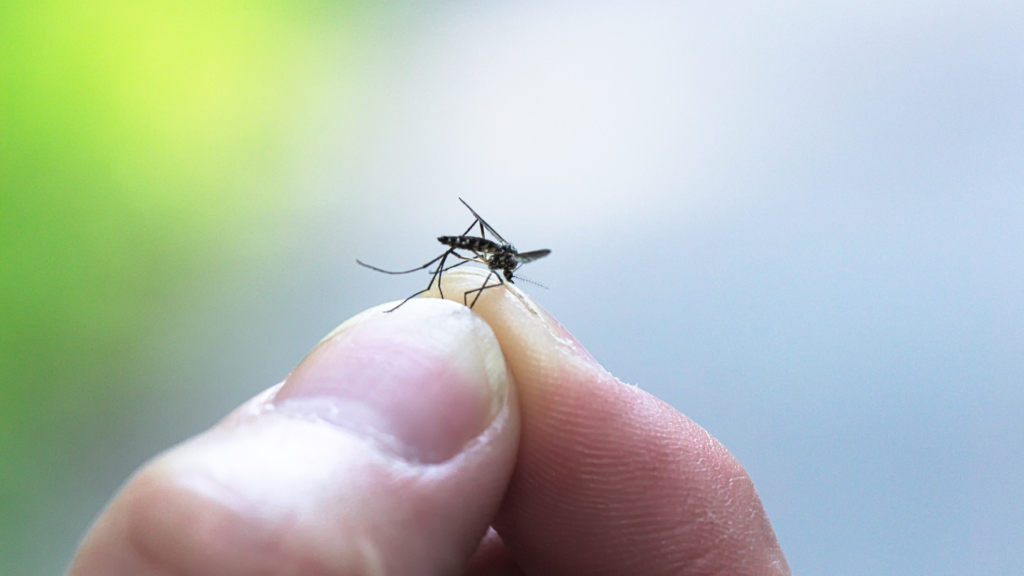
x: 401, y: 437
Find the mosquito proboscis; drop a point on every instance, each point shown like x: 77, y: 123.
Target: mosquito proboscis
x: 500, y: 257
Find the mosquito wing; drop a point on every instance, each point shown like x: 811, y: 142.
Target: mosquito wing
x: 525, y: 257
x: 484, y: 222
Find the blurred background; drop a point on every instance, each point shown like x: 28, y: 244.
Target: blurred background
x: 800, y: 223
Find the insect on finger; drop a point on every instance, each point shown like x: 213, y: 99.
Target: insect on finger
x: 500, y: 257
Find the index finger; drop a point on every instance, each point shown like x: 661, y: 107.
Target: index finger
x: 609, y: 479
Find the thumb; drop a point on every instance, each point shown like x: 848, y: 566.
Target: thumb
x: 386, y: 451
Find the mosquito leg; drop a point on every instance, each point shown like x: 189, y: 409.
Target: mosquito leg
x: 435, y: 277
x: 476, y: 258
x: 406, y: 300
x: 486, y: 286
x: 441, y: 269
x: 437, y: 274
x: 480, y: 290
x: 475, y: 222
x: 465, y: 295
x: 404, y: 271
x: 471, y: 227
x: 466, y: 261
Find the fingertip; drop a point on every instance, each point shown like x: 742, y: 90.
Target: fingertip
x: 423, y: 380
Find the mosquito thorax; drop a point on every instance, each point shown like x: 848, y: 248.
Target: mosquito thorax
x: 504, y: 260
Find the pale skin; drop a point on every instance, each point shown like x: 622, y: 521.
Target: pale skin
x: 439, y: 440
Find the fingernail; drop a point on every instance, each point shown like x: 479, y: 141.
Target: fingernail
x: 422, y: 381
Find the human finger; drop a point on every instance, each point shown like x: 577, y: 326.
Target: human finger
x: 386, y: 451
x: 609, y: 479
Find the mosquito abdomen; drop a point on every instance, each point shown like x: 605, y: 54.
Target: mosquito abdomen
x: 472, y: 243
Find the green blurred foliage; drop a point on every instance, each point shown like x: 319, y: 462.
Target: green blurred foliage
x: 140, y: 142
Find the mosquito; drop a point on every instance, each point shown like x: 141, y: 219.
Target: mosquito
x: 500, y: 257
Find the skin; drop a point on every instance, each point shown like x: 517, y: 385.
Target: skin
x: 439, y: 440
